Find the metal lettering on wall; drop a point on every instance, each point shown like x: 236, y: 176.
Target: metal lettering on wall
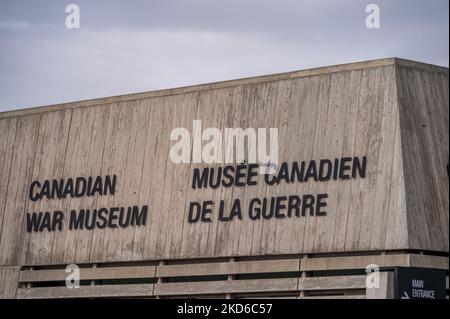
x: 242, y: 175
x: 85, y: 218
x: 284, y: 206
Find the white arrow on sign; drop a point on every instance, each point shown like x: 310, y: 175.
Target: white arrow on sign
x: 405, y: 295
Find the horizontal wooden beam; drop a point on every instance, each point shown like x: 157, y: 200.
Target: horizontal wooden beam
x: 88, y: 273
x: 332, y: 283
x: 353, y: 262
x: 225, y: 268
x: 427, y: 261
x: 243, y: 267
x: 141, y: 290
x: 220, y: 287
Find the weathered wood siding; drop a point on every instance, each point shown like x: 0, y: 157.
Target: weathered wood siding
x: 9, y: 278
x: 424, y: 115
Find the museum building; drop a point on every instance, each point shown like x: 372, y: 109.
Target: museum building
x: 92, y: 204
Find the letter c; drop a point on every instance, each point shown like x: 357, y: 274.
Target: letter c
x: 36, y: 195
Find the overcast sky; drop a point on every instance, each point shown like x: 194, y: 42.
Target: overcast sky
x: 133, y: 46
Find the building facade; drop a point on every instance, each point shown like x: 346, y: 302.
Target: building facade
x: 361, y: 181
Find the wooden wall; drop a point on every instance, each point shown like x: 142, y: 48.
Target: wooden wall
x: 424, y: 114
x: 349, y: 110
x: 9, y: 279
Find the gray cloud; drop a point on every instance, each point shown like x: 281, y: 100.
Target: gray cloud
x: 131, y: 46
